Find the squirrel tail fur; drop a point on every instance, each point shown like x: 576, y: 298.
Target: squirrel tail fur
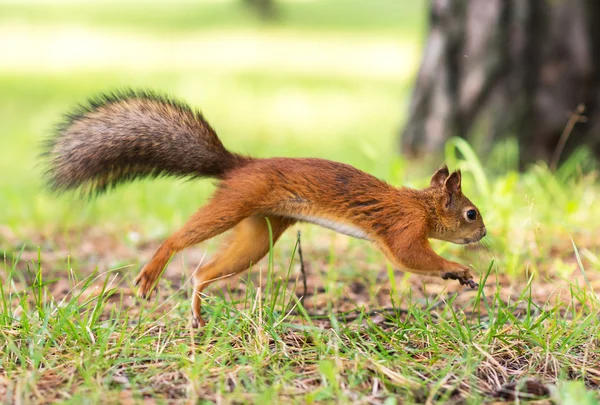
x: 129, y: 135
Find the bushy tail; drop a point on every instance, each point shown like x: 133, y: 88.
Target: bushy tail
x: 129, y: 135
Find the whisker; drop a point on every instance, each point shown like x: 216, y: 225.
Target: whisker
x: 487, y: 244
x: 483, y: 251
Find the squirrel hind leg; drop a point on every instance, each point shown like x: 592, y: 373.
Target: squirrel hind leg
x: 248, y: 243
x: 210, y: 220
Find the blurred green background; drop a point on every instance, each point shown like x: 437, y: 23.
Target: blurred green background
x: 327, y: 79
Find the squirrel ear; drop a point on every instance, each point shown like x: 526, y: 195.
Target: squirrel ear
x: 452, y: 183
x: 438, y: 179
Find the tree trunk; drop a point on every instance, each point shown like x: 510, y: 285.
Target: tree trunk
x: 498, y: 68
x: 264, y: 8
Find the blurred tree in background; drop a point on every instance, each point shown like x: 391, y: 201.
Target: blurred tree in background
x: 264, y: 8
x: 492, y: 69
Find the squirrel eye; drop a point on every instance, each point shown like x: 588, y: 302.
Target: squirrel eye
x: 471, y: 215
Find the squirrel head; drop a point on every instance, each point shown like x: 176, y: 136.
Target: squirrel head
x: 456, y: 218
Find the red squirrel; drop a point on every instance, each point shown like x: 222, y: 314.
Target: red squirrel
x: 129, y: 135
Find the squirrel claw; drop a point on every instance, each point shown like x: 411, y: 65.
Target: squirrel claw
x: 144, y: 284
x: 468, y: 282
x: 462, y: 279
x: 147, y: 295
x: 197, y: 321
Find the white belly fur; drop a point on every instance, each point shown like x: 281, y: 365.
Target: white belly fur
x: 333, y: 225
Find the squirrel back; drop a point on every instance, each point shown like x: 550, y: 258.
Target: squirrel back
x: 129, y: 135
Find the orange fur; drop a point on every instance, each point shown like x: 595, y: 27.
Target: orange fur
x: 124, y: 136
x: 397, y: 220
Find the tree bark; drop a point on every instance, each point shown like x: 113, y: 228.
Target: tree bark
x: 498, y: 68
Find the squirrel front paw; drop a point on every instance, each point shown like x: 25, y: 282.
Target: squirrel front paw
x: 463, y: 276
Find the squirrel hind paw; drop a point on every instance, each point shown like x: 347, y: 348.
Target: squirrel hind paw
x: 197, y: 321
x: 145, y: 287
x: 147, y: 294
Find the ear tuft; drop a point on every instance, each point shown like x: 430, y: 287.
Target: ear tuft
x: 453, y: 182
x: 438, y: 179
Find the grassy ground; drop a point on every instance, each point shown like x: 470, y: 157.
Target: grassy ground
x: 329, y: 80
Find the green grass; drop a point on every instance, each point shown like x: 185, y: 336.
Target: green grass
x: 71, y: 329
x: 261, y: 345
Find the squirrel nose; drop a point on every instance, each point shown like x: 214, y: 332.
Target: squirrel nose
x: 484, y: 232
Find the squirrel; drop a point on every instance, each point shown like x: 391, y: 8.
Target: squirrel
x: 128, y: 135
